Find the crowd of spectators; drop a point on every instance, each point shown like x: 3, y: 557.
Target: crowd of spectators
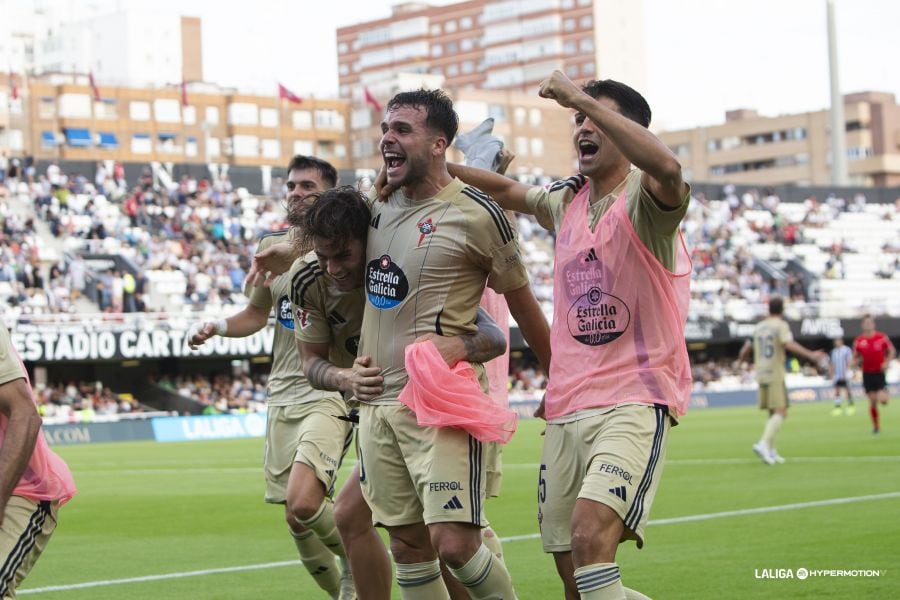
x: 82, y: 401
x: 220, y: 392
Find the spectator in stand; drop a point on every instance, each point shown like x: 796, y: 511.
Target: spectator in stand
x: 873, y: 351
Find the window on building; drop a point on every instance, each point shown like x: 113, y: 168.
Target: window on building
x: 189, y: 114
x: 363, y: 148
x: 167, y: 110
x: 243, y: 113
x: 569, y: 25
x: 466, y: 45
x: 75, y: 106
x: 437, y: 50
x: 213, y: 146
x: 268, y: 117
x: 452, y: 47
x: 534, y: 117
x: 245, y: 145
x: 301, y: 119
x: 139, y: 111
x: 105, y: 109
x: 537, y: 147
x: 467, y: 67
x: 342, y: 48
x: 452, y: 70
x: 586, y: 45
x: 344, y: 69
x: 329, y: 119
x: 587, y: 69
x: 305, y: 147
x: 325, y: 148
x: 522, y: 146
x: 572, y: 70
x: 570, y: 47
x: 190, y: 146
x: 519, y: 115
x: 212, y: 115
x: 587, y: 22
x: 465, y: 22
x: 141, y: 143
x: 271, y: 148
x: 450, y: 26
x: 435, y: 29
x: 47, y: 108
x: 497, y: 112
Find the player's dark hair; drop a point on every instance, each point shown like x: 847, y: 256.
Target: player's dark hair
x: 325, y: 169
x: 340, y: 214
x: 438, y: 107
x: 630, y: 102
x: 776, y: 305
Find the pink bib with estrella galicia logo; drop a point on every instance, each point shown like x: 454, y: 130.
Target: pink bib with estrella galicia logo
x: 618, y: 316
x: 46, y: 477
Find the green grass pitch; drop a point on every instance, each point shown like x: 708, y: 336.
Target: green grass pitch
x: 148, y: 509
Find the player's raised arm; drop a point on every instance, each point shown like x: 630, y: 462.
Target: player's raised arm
x: 662, y: 172
x: 508, y: 193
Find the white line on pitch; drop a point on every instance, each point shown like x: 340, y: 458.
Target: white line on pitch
x: 512, y: 538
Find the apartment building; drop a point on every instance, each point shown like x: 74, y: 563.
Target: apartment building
x: 757, y: 150
x: 490, y: 56
x: 58, y: 117
x: 496, y: 44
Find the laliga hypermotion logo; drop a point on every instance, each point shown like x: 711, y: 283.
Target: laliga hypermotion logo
x: 426, y: 227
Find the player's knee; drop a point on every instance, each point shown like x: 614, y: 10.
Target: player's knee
x: 303, y: 508
x: 456, y: 546
x: 295, y: 525
x: 597, y: 538
x: 407, y: 553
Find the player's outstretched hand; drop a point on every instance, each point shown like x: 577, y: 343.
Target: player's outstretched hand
x: 270, y: 263
x: 366, y: 380
x: 560, y: 88
x: 199, y: 332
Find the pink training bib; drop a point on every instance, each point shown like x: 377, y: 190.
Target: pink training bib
x: 618, y: 316
x: 441, y: 396
x: 47, y: 477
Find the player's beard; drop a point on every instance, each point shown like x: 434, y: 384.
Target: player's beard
x: 296, y: 208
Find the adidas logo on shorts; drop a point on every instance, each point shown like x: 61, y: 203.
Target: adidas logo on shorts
x: 618, y: 491
x: 454, y: 504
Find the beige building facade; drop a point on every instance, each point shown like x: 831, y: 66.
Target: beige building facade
x: 794, y: 149
x: 56, y: 117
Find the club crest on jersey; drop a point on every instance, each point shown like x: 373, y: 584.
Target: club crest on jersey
x: 386, y: 283
x: 285, y: 315
x: 426, y: 227
x: 302, y: 318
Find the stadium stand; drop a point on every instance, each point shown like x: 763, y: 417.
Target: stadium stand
x: 74, y: 250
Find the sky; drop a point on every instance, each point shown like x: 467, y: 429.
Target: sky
x: 703, y: 56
